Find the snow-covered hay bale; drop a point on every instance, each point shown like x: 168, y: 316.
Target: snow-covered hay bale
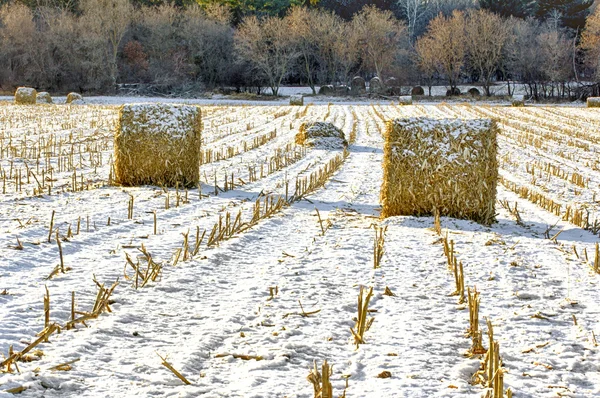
x: 44, y: 98
x: 418, y: 90
x: 74, y: 98
x: 517, y: 100
x: 297, y: 100
x: 474, y: 92
x: 405, y: 100
x: 375, y: 85
x: 447, y: 165
x: 327, y: 90
x: 593, y: 102
x: 453, y: 92
x: 358, y: 86
x: 321, y: 134
x: 158, y: 144
x: 25, y: 96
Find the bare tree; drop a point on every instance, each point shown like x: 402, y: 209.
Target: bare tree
x: 267, y: 45
x: 379, y: 36
x: 109, y: 20
x: 487, y: 35
x: 427, y: 60
x: 445, y: 41
x: 590, y: 42
x: 416, y: 13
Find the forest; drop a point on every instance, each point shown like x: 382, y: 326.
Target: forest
x: 189, y: 47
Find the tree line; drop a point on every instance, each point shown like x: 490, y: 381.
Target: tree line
x: 94, y: 46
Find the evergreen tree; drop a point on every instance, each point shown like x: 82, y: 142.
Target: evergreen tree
x: 571, y: 13
x: 507, y: 8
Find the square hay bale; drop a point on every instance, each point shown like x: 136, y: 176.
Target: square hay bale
x: 44, y: 98
x: 158, y: 144
x: 321, y: 134
x: 25, y: 96
x: 518, y: 100
x: 593, y: 102
x: 444, y: 164
x: 405, y: 100
x: 74, y: 98
x: 297, y: 100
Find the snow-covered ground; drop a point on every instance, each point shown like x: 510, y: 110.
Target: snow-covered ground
x: 213, y: 315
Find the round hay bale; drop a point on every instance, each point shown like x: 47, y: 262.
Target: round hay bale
x: 454, y: 92
x: 44, y: 98
x: 25, y: 96
x: 72, y: 97
x: 418, y: 90
x: 297, y: 100
x: 375, y: 85
x: 158, y: 144
x: 327, y: 90
x: 358, y: 86
x: 321, y: 134
x: 474, y: 92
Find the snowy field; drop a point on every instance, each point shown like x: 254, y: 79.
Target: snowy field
x: 247, y: 316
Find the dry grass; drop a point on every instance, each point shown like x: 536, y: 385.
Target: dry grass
x: 320, y: 380
x: 444, y: 164
x: 362, y: 323
x: 158, y: 145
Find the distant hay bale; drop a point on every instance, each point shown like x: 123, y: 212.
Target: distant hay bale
x: 74, y: 98
x: 474, y: 92
x: 453, y: 92
x: 405, y: 100
x: 358, y: 86
x: 342, y: 90
x: 448, y: 165
x: 418, y: 90
x: 44, y: 98
x: 25, y: 96
x: 375, y: 85
x: 321, y: 134
x: 327, y: 90
x: 297, y: 100
x: 158, y: 144
x: 517, y: 100
x: 593, y: 102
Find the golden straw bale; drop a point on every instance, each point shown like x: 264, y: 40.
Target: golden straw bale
x: 447, y: 165
x: 518, y: 100
x: 25, y: 96
x: 158, y: 144
x: 405, y: 100
x: 593, y: 102
x: 74, y: 98
x: 44, y: 98
x: 321, y: 134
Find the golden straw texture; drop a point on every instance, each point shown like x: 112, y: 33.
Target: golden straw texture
x: 158, y: 144
x: 444, y: 164
x: 25, y: 96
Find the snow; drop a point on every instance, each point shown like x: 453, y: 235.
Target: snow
x: 202, y: 311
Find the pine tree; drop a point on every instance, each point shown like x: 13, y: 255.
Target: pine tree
x: 572, y: 13
x: 507, y: 8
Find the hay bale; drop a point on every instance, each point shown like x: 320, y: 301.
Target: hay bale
x: 474, y: 92
x: 405, y: 100
x: 158, y: 144
x: 342, y: 90
x: 44, y: 98
x: 327, y: 90
x: 25, y: 96
x: 517, y: 100
x: 375, y: 85
x: 358, y: 86
x: 444, y: 164
x: 321, y: 134
x: 593, y: 102
x: 74, y: 98
x: 418, y: 90
x: 297, y: 100
x: 453, y: 92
